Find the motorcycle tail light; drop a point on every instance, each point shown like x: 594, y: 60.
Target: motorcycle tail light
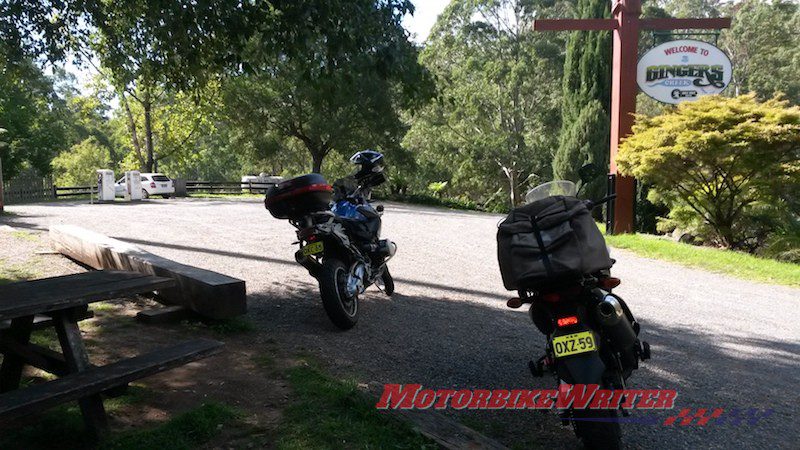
x: 311, y: 238
x: 567, y: 321
x: 609, y: 283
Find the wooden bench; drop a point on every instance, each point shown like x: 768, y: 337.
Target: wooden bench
x: 95, y: 380
x: 64, y: 300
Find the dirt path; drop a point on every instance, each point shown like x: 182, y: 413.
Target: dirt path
x: 721, y: 342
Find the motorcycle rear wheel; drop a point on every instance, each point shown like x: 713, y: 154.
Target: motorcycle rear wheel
x: 341, y: 309
x: 599, y: 435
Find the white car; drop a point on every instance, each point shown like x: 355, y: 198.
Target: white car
x: 152, y: 184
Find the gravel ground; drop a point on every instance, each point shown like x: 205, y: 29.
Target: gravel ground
x: 721, y: 342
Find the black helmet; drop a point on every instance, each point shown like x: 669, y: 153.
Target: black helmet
x: 371, y: 167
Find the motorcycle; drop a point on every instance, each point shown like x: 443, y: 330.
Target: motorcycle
x: 338, y: 230
x: 591, y: 335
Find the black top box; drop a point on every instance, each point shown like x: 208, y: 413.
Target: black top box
x: 299, y: 197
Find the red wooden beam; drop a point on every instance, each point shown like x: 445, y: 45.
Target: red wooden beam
x: 685, y: 24
x: 574, y: 24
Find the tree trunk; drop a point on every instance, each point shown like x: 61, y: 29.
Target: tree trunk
x: 132, y: 130
x: 513, y: 181
x: 317, y: 158
x: 148, y: 131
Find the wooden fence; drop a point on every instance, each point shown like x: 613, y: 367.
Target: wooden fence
x: 27, y: 187
x: 228, y: 187
x: 31, y: 188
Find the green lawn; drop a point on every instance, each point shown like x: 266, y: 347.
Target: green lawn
x: 329, y: 413
x: 729, y: 262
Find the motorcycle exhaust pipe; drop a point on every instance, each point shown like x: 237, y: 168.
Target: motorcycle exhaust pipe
x: 616, y: 324
x: 308, y: 262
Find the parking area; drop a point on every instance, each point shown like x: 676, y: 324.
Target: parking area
x: 719, y: 341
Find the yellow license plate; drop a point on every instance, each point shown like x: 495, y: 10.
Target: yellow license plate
x: 572, y: 344
x: 313, y: 248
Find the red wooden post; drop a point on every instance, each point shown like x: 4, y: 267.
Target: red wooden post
x: 626, y: 26
x: 623, y: 104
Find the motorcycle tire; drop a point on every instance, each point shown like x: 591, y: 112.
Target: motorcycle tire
x: 599, y: 435
x: 388, y: 282
x: 342, y: 311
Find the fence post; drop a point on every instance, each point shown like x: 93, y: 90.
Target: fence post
x: 1, y: 185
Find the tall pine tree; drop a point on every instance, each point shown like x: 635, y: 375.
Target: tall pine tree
x: 585, y: 110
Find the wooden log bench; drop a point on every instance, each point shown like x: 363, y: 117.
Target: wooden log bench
x: 210, y: 294
x: 64, y: 300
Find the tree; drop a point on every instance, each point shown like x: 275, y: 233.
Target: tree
x: 490, y: 129
x: 34, y: 117
x: 78, y: 165
x: 725, y: 166
x: 586, y: 97
x: 341, y: 90
x: 764, y: 47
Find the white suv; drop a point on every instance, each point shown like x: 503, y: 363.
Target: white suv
x: 152, y: 184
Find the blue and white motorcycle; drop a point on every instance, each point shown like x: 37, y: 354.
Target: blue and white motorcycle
x: 338, y: 230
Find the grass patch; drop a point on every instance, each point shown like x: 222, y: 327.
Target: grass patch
x: 228, y: 196
x: 185, y: 431
x: 63, y: 427
x: 729, y: 262
x: 11, y: 273
x: 25, y: 236
x: 328, y: 413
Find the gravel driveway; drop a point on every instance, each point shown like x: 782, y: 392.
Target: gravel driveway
x: 721, y: 342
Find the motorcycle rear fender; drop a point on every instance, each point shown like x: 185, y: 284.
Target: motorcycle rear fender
x: 583, y: 368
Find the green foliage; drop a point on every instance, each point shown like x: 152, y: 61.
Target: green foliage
x: 78, y: 165
x: 585, y: 109
x: 726, y: 167
x: 490, y: 130
x: 764, y: 46
x: 341, y: 94
x: 34, y: 117
x: 586, y: 141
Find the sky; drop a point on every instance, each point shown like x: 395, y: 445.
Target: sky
x: 425, y: 14
x: 419, y: 25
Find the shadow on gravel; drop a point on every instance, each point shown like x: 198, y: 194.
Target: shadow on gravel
x: 444, y: 344
x: 262, y: 258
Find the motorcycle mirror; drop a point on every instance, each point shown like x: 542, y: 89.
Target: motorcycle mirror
x: 515, y: 302
x: 588, y: 172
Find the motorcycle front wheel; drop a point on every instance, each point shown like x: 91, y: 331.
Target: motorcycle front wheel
x: 341, y: 308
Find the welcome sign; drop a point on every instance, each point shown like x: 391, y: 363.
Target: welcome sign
x: 683, y: 70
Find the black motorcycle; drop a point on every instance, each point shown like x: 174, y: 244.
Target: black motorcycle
x: 552, y: 253
x: 338, y: 230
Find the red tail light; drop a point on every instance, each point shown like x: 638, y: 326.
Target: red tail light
x: 311, y: 238
x: 609, y: 283
x: 567, y: 321
x: 153, y: 184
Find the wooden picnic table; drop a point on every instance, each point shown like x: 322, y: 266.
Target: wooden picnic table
x: 64, y: 300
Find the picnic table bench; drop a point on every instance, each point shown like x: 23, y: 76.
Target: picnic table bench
x: 63, y: 300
